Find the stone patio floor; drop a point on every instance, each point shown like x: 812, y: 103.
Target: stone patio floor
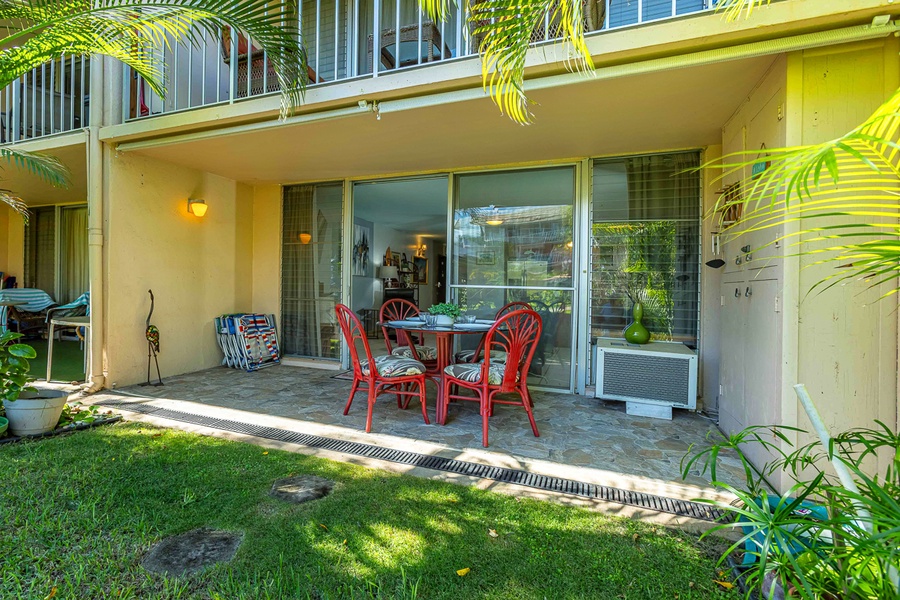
x: 577, y: 432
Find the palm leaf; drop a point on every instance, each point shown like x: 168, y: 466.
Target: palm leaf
x: 14, y: 202
x: 47, y: 167
x: 838, y: 200
x: 133, y: 31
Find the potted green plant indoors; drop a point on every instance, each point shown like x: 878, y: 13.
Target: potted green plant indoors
x: 30, y: 411
x: 446, y: 314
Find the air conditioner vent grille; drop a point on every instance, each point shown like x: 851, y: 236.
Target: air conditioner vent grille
x: 659, y: 378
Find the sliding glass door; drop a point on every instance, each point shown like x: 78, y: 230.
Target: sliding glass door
x: 56, y: 251
x: 312, y: 229
x: 513, y: 240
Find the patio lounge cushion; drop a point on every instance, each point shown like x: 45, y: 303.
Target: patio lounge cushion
x: 394, y: 366
x: 30, y: 315
x: 472, y: 372
x: 424, y: 352
x: 464, y: 356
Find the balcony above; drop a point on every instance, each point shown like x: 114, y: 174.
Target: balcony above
x: 341, y: 37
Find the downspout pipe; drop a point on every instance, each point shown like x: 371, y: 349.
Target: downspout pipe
x: 96, y: 374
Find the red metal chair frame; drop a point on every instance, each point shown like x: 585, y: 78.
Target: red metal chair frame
x: 374, y: 383
x: 508, y: 308
x: 517, y: 334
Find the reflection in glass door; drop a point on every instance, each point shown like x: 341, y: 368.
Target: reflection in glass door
x: 311, y: 270
x: 513, y: 241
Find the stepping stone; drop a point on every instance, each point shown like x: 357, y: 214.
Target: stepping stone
x: 303, y: 488
x: 192, y: 551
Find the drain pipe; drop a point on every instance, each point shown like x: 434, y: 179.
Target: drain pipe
x: 96, y: 375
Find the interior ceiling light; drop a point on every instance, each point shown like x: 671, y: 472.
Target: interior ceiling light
x: 494, y: 218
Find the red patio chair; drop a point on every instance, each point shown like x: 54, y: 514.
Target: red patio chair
x: 398, y: 309
x: 516, y: 334
x: 383, y: 375
x: 474, y: 356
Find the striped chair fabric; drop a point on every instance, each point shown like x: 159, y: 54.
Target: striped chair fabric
x: 36, y: 301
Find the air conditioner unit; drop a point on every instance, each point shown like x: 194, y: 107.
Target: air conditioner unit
x: 650, y: 378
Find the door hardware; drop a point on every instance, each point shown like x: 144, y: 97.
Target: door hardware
x: 737, y: 293
x: 748, y: 293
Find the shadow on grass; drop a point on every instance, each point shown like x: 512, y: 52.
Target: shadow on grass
x: 82, y: 511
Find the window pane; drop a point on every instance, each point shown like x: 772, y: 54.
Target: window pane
x: 646, y: 245
x: 551, y: 366
x: 311, y: 270
x: 514, y: 228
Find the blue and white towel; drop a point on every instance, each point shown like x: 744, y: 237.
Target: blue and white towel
x: 35, y: 301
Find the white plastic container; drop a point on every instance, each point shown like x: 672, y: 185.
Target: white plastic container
x: 37, y: 412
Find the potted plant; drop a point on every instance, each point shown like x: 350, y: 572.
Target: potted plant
x: 445, y: 312
x: 833, y: 534
x: 30, y: 411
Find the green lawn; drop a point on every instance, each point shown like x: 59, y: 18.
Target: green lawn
x: 80, y: 511
x: 68, y: 360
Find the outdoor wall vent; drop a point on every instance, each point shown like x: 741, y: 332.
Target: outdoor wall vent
x: 651, y: 379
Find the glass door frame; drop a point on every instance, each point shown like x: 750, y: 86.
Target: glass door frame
x: 580, y: 250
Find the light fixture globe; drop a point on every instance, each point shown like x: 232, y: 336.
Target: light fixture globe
x: 305, y: 238
x: 494, y: 218
x: 197, y: 207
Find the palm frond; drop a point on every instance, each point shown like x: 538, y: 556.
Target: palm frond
x: 47, y: 167
x: 733, y: 9
x: 14, y: 202
x: 133, y: 31
x: 839, y: 200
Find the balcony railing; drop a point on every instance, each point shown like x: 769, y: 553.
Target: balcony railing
x: 341, y: 37
x: 52, y: 98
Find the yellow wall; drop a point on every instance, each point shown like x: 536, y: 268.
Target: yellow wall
x: 197, y: 268
x: 847, y: 353
x: 267, y: 250
x: 12, y: 244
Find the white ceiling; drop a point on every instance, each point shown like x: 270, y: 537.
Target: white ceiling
x: 681, y: 108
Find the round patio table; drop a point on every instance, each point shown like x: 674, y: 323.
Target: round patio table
x: 444, y: 337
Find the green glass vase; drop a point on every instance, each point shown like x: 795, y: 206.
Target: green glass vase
x: 636, y: 333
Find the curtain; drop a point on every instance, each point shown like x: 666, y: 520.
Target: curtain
x: 40, y: 250
x: 297, y: 277
x: 74, y: 277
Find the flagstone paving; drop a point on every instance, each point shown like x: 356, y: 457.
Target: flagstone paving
x: 575, y: 430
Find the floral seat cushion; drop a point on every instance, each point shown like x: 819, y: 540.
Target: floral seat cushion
x: 424, y: 352
x: 471, y: 372
x: 394, y: 366
x: 464, y: 356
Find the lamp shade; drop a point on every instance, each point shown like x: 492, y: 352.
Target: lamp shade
x: 197, y: 207
x: 305, y: 238
x: 388, y: 273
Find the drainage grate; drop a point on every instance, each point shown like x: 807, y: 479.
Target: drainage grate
x: 684, y: 508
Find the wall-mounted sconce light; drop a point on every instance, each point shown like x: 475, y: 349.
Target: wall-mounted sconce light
x: 569, y: 244
x: 305, y: 238
x: 197, y: 207
x: 494, y: 218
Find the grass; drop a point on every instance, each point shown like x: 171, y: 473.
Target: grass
x: 80, y: 511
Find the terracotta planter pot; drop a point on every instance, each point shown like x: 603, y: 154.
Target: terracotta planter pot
x: 37, y: 412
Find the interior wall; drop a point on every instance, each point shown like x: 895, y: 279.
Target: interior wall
x: 198, y: 268
x: 847, y: 354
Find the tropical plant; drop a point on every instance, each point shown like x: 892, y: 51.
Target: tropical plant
x: 839, y: 198
x: 444, y: 308
x: 134, y: 31
x: 504, y: 31
x: 14, y: 366
x: 826, y: 538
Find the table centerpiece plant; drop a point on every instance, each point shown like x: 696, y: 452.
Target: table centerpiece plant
x: 446, y: 313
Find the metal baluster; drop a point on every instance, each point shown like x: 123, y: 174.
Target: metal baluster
x: 376, y: 39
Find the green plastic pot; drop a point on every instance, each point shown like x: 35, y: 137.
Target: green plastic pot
x: 4, y: 424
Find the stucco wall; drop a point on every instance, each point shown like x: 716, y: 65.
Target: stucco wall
x: 267, y: 250
x: 198, y: 268
x: 12, y: 245
x: 847, y: 354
